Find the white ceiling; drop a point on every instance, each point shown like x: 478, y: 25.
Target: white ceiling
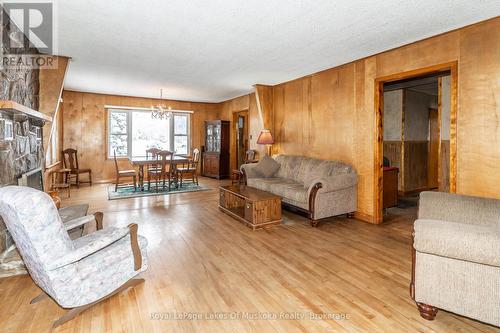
x: 214, y: 50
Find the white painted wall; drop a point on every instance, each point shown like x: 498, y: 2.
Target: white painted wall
x: 417, y: 115
x: 393, y: 113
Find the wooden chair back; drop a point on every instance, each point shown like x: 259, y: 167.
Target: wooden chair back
x: 196, y: 158
x: 70, y: 159
x: 250, y: 156
x: 164, y: 158
x: 152, y: 152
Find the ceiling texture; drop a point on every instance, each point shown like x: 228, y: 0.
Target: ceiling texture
x: 214, y: 50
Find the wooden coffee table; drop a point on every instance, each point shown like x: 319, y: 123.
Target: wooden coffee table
x: 255, y: 208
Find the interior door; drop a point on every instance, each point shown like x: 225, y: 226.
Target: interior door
x: 434, y: 137
x: 240, y: 143
x: 241, y: 137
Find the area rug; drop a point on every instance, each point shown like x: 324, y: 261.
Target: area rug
x: 126, y: 192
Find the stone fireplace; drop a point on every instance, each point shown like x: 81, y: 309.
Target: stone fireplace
x: 21, y: 148
x: 20, y: 154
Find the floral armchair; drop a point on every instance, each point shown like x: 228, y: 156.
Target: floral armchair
x: 75, y: 274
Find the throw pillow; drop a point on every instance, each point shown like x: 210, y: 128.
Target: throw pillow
x: 267, y: 167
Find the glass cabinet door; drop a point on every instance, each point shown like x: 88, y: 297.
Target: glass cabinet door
x: 217, y: 137
x: 209, y: 136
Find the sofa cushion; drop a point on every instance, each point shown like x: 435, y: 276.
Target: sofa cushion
x: 335, y: 183
x: 289, y: 166
x: 306, y: 166
x: 250, y: 170
x: 320, y: 171
x: 290, y: 192
x: 267, y: 167
x: 264, y: 184
x: 475, y: 243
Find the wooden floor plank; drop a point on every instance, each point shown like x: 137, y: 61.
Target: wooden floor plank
x: 202, y: 262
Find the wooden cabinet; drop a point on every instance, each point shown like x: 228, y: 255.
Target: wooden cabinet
x: 390, y: 187
x: 216, y: 154
x: 256, y: 208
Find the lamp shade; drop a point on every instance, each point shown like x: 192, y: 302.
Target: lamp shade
x: 265, y: 137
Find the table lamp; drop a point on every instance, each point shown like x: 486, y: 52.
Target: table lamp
x: 266, y: 138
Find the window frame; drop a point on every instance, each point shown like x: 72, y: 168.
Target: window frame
x: 188, y: 131
x: 129, y: 111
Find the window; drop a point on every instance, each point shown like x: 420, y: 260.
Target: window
x: 131, y: 132
x: 181, y: 127
x: 118, y: 133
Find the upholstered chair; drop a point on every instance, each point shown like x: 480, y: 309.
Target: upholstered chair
x: 75, y: 274
x: 456, y: 256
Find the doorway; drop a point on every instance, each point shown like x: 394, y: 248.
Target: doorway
x: 416, y: 136
x: 240, y: 121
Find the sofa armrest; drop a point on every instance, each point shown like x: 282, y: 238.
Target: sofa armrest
x: 250, y: 171
x: 469, y: 242
x: 90, y: 244
x: 334, y: 183
x: 459, y: 208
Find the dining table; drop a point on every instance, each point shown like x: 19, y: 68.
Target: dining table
x: 141, y: 161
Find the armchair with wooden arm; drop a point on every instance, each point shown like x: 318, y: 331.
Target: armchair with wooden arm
x: 78, y: 273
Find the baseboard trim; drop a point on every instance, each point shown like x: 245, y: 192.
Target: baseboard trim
x: 366, y: 218
x: 411, y: 192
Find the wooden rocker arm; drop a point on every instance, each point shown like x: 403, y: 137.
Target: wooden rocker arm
x: 97, y: 218
x: 134, y: 243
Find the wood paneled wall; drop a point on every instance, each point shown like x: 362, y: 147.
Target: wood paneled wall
x: 444, y: 184
x: 258, y: 119
x: 51, y: 88
x: 84, y: 126
x: 331, y: 114
x: 415, y: 166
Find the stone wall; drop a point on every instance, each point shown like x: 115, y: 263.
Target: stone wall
x: 17, y: 84
x: 25, y: 151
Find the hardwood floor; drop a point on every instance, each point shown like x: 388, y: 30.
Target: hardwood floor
x: 202, y: 262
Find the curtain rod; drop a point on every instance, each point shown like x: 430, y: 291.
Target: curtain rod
x: 119, y: 107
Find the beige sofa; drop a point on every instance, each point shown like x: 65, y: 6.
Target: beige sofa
x: 319, y: 188
x: 456, y: 257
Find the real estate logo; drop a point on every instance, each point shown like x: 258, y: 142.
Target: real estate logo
x: 28, y: 34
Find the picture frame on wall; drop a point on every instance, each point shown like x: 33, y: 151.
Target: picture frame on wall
x: 6, y: 130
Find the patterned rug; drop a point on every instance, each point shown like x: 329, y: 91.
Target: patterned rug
x: 126, y: 192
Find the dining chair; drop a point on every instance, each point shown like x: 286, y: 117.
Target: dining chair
x: 123, y: 174
x: 70, y: 161
x: 164, y: 160
x: 190, y: 169
x: 60, y: 180
x: 250, y: 156
x: 151, y: 153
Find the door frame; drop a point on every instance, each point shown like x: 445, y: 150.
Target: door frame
x: 379, y: 126
x: 438, y: 164
x: 233, y: 135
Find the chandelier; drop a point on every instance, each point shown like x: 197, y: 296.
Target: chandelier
x: 161, y: 111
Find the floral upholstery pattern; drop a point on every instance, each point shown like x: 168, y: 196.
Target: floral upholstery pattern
x: 73, y: 273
